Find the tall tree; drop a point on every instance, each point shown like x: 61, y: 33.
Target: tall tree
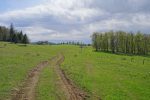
x: 20, y: 37
x: 112, y: 41
x: 94, y: 41
x: 12, y: 32
x: 25, y: 39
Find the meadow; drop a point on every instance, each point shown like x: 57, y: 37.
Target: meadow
x: 102, y: 75
x: 108, y: 76
x: 16, y: 61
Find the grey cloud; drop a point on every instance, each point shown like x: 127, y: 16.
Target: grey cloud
x: 125, y: 6
x: 62, y: 19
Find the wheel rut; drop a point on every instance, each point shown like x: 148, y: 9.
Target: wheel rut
x: 71, y: 91
x: 27, y: 90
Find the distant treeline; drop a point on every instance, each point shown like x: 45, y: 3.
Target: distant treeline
x: 12, y: 35
x: 122, y: 42
x: 61, y: 43
x: 73, y: 43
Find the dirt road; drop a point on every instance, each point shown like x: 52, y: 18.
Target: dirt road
x: 27, y: 90
x: 71, y: 91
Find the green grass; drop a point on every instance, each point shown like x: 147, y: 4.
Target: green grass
x: 104, y: 75
x: 17, y: 60
x: 108, y: 76
x: 46, y: 87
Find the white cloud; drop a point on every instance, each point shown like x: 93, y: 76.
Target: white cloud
x: 142, y: 20
x: 132, y: 22
x: 106, y: 25
x: 77, y: 19
x: 73, y: 35
x: 71, y: 10
x: 35, y: 30
x: 61, y: 11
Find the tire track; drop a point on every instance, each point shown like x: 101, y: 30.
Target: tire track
x: 71, y: 91
x: 27, y: 91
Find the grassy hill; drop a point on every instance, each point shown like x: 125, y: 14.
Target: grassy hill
x: 101, y: 75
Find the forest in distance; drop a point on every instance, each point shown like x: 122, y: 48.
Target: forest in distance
x: 12, y: 35
x: 122, y: 42
x: 111, y: 41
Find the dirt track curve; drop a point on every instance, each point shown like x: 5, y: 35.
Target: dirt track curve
x: 72, y: 92
x: 27, y: 90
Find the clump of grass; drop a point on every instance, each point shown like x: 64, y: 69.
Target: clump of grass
x: 123, y: 59
x: 75, y: 55
x: 37, y: 54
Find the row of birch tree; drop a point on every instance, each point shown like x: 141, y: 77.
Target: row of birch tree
x: 121, y: 42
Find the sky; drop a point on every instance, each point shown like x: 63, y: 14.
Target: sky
x: 74, y: 20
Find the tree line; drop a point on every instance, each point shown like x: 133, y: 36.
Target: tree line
x: 73, y: 43
x: 12, y: 35
x: 61, y: 43
x: 121, y: 42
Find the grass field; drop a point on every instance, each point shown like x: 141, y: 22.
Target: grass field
x: 16, y: 61
x: 47, y: 87
x: 101, y: 75
x: 108, y: 76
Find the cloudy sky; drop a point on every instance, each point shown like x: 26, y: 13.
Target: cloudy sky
x: 61, y: 20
